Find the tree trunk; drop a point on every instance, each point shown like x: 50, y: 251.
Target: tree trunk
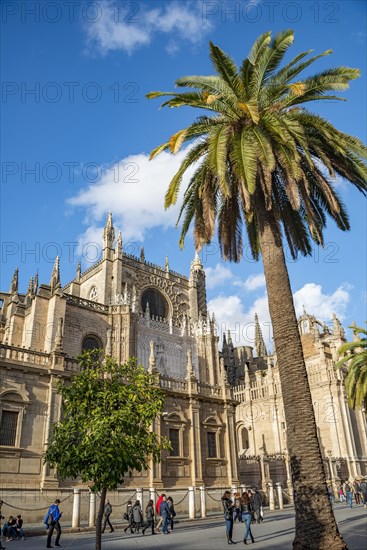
x: 99, y: 519
x: 316, y: 527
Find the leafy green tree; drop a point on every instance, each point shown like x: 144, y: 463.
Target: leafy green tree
x: 264, y: 162
x: 354, y: 356
x: 106, y: 429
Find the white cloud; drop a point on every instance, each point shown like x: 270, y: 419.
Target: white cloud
x: 322, y: 305
x: 217, y: 275
x: 128, y: 32
x: 133, y: 190
x: 231, y: 315
x: 252, y: 282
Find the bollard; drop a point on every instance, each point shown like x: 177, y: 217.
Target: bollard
x: 233, y: 491
x: 280, y: 495
x: 271, y: 496
x: 75, y: 522
x: 152, y: 494
x: 92, y: 509
x: 139, y: 496
x: 203, y: 502
x: 192, y: 502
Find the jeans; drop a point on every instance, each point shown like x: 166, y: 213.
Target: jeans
x: 229, y: 527
x: 107, y: 520
x: 165, y: 523
x: 247, y: 518
x: 331, y: 498
x: 349, y: 496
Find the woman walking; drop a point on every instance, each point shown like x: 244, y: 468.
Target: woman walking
x: 246, y: 508
x: 171, y: 511
x: 228, y: 507
x: 149, y: 511
x: 137, y: 516
x: 129, y: 517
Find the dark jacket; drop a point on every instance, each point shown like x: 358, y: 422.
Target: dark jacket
x: 107, y: 509
x: 150, y: 513
x: 257, y: 501
x: 227, y: 506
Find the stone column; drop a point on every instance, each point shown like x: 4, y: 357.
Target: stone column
x: 271, y: 495
x: 192, y: 502
x: 75, y: 522
x: 152, y: 494
x: 203, y: 501
x: 139, y: 496
x: 289, y: 478
x: 280, y: 495
x: 92, y: 509
x: 234, y: 490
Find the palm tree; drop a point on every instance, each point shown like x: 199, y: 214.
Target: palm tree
x: 354, y: 355
x: 264, y: 161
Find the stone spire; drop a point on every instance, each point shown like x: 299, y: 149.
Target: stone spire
x: 166, y: 265
x: 35, y: 283
x: 55, y: 277
x: 14, y: 282
x: 337, y: 328
x: 59, y: 335
x: 109, y: 342
x: 142, y: 254
x: 118, y: 251
x: 108, y: 233
x: 259, y: 340
x: 197, y: 289
x: 152, y: 362
x: 189, y: 365
x: 78, y: 271
x: 353, y: 326
x: 30, y: 287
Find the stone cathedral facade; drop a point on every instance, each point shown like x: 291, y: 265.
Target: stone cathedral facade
x: 223, y: 410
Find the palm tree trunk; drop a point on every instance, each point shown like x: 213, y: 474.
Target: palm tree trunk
x: 99, y: 519
x: 316, y: 527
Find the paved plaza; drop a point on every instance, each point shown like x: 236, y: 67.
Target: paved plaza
x: 275, y: 533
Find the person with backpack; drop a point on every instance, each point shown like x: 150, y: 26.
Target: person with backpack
x: 348, y: 491
x: 107, y: 512
x: 128, y: 516
x: 363, y: 486
x: 357, y: 491
x: 171, y: 511
x: 149, y: 511
x: 52, y: 521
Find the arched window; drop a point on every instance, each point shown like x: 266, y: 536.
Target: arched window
x: 91, y: 342
x: 244, y: 439
x: 157, y: 303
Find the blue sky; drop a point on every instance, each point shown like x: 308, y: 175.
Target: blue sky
x: 77, y: 131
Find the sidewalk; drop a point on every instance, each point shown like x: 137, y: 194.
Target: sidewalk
x: 275, y: 533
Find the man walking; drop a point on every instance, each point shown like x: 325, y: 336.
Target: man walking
x: 52, y: 521
x: 107, y: 513
x: 348, y: 491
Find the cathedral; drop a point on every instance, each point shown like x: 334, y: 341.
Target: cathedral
x: 223, y: 410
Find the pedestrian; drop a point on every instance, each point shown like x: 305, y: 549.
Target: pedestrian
x: 137, y: 516
x: 257, y: 503
x: 171, y: 511
x: 357, y: 491
x: 149, y: 512
x: 9, y: 529
x: 341, y: 494
x: 363, y: 486
x: 228, y: 507
x: 331, y: 494
x: 1, y: 518
x: 348, y: 491
x: 237, y: 508
x: 128, y: 516
x: 166, y: 516
x: 19, y: 528
x: 158, y: 510
x: 247, y: 513
x: 107, y: 513
x: 52, y: 521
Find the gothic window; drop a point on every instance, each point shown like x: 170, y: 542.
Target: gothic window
x: 90, y: 343
x: 93, y: 294
x: 174, y: 436
x: 212, y: 444
x: 244, y: 439
x: 157, y: 303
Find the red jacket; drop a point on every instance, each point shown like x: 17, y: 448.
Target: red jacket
x: 158, y: 505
